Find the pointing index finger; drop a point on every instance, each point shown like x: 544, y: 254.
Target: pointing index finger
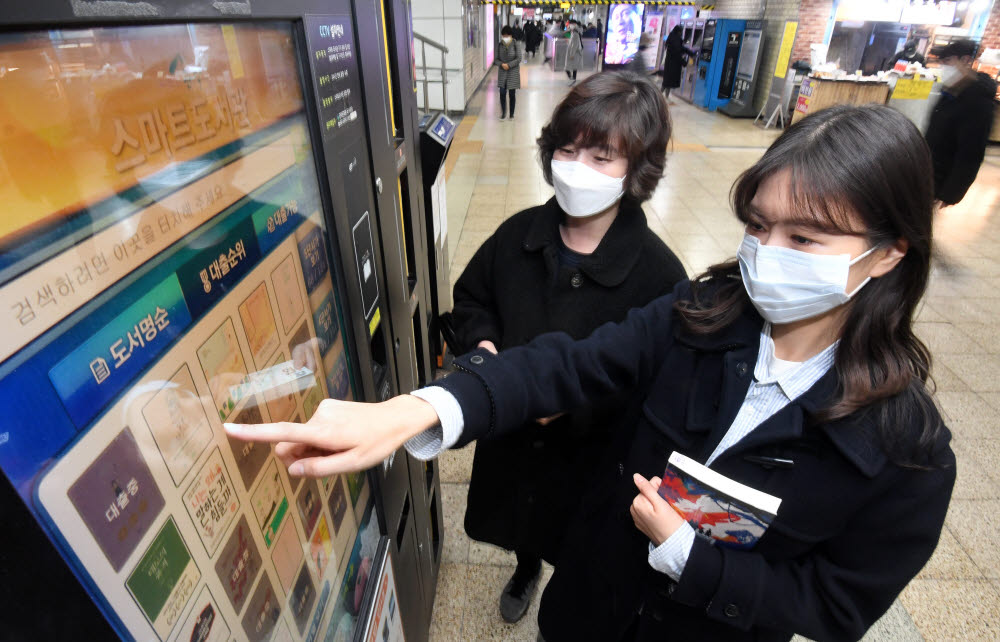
x: 281, y: 431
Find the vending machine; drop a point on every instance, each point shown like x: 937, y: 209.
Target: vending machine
x: 719, y: 54
x: 694, y: 30
x: 201, y: 213
x: 741, y: 102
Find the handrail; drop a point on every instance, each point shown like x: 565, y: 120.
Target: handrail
x: 424, y: 41
x: 433, y: 43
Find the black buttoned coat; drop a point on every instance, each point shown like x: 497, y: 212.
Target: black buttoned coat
x: 852, y: 530
x: 525, y: 486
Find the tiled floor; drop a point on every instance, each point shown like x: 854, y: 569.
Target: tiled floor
x: 494, y: 173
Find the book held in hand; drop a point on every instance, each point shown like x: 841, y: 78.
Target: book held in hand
x: 731, y: 513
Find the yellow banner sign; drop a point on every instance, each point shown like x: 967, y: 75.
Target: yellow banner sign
x: 912, y: 89
x: 785, y: 51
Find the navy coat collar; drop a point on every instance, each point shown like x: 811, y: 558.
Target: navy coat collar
x: 615, y: 256
x: 856, y: 437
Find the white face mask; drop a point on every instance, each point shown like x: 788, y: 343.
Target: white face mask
x: 787, y: 285
x: 950, y: 74
x: 506, y: 40
x: 583, y: 191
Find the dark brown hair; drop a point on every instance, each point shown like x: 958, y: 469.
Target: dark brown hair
x: 620, y: 111
x: 867, y: 164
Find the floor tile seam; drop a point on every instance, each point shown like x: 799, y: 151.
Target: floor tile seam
x: 986, y: 581
x: 968, y: 558
x: 464, y: 593
x: 492, y: 564
x: 984, y: 469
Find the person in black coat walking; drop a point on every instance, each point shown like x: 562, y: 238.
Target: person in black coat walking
x: 517, y: 31
x: 572, y: 264
x: 530, y: 32
x: 675, y: 61
x: 961, y: 121
x: 792, y: 370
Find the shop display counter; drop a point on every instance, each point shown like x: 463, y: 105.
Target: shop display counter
x: 817, y: 94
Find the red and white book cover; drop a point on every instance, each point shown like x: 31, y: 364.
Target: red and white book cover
x: 731, y: 513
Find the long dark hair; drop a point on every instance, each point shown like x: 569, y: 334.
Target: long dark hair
x: 849, y: 163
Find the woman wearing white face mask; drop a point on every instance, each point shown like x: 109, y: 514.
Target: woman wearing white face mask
x: 792, y: 370
x: 508, y: 59
x: 580, y: 260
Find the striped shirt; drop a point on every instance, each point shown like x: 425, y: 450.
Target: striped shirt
x: 776, y: 384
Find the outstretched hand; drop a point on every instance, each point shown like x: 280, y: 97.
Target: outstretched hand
x: 342, y: 436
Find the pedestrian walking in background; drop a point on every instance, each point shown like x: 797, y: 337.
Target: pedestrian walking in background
x: 574, y: 51
x: 508, y: 60
x: 961, y: 121
x: 529, y: 38
x: 676, y: 60
x: 555, y: 31
x: 518, y: 34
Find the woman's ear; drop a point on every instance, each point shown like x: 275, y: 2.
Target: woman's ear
x: 891, y: 256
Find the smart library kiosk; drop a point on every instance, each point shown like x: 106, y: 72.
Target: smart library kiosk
x: 213, y: 211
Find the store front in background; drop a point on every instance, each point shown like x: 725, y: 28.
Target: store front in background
x: 864, y: 59
x: 867, y: 34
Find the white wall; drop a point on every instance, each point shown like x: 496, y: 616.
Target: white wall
x: 442, y: 21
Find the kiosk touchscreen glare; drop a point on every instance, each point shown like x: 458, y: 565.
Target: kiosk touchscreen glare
x: 720, y: 52
x: 741, y: 102
x: 191, y: 237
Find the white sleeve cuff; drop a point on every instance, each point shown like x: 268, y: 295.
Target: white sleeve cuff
x: 671, y: 556
x: 431, y: 443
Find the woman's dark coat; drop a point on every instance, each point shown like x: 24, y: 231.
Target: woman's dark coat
x: 674, y: 64
x: 525, y: 486
x: 852, y: 530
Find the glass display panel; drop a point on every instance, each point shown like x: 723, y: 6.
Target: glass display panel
x: 748, y: 54
x: 165, y: 267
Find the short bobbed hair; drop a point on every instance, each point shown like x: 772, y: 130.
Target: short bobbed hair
x: 617, y: 111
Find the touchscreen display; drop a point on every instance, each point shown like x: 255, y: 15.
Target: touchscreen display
x: 164, y: 268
